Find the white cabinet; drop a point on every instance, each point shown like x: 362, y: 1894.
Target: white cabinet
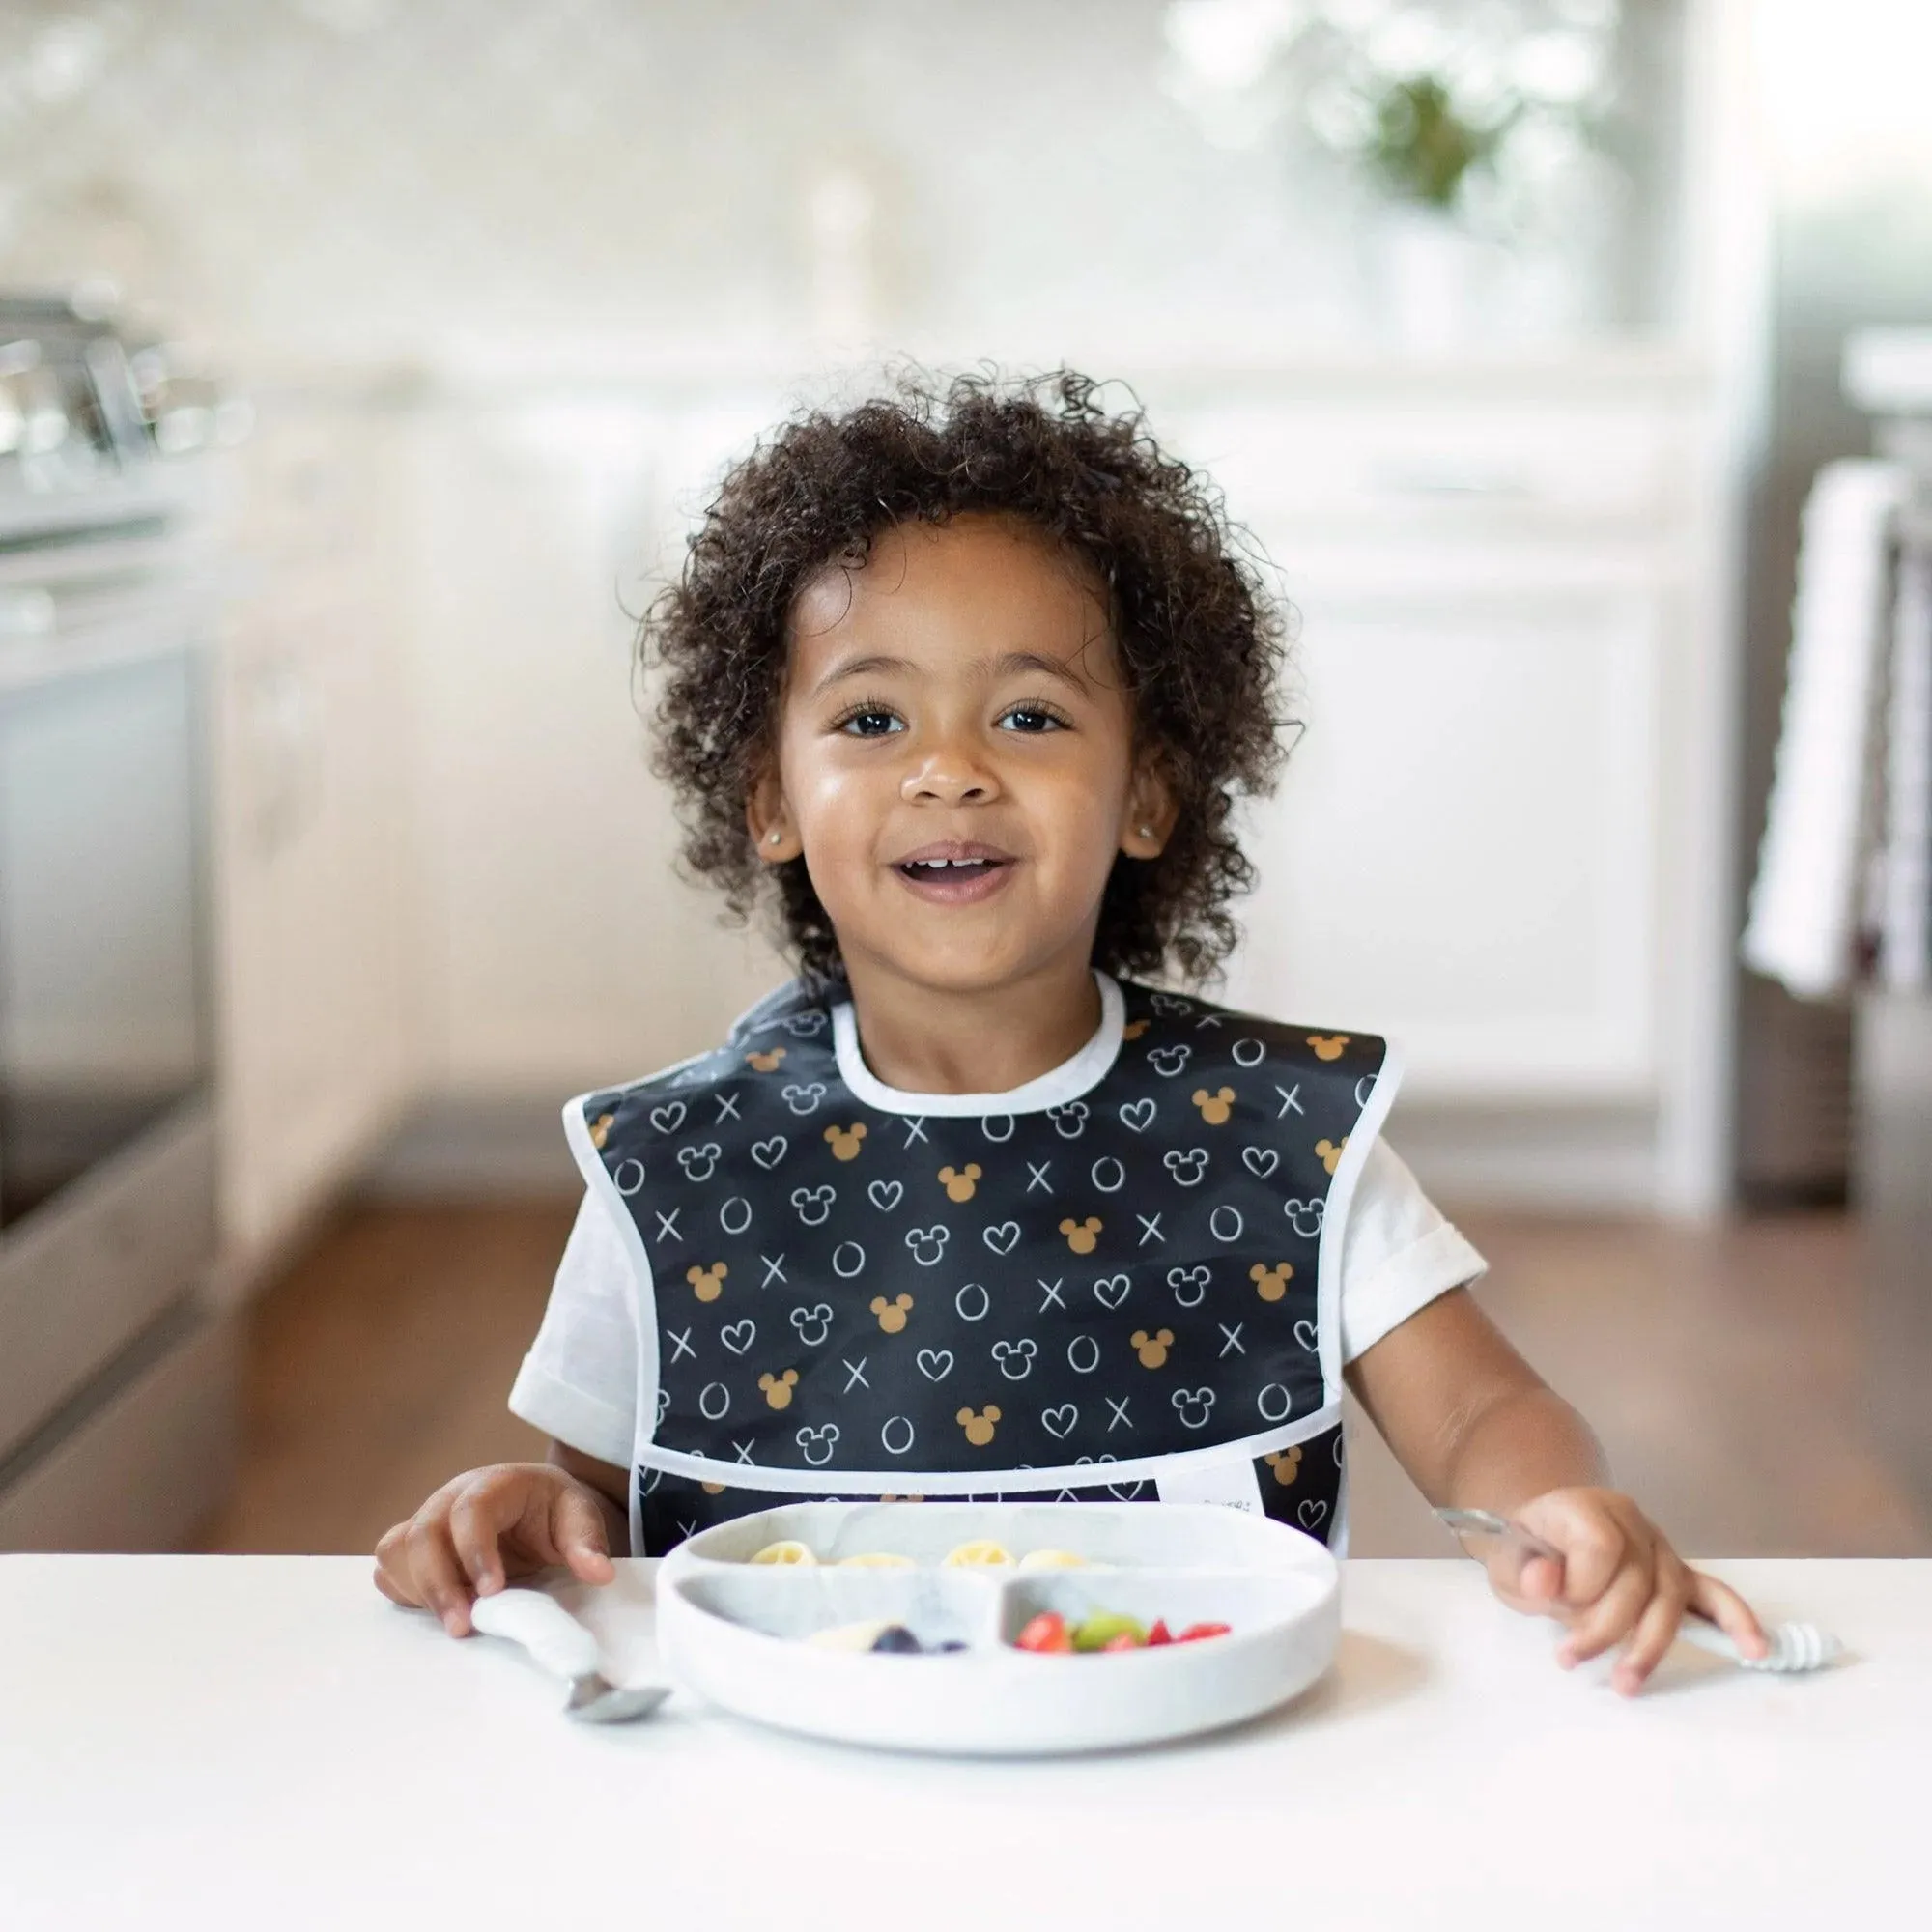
x: 313, y: 835
x: 1490, y: 840
x: 1460, y: 852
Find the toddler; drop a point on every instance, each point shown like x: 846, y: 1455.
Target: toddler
x: 966, y: 684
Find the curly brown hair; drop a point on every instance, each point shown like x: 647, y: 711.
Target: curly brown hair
x: 1200, y: 641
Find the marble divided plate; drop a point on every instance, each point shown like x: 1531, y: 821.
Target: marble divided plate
x: 729, y: 1628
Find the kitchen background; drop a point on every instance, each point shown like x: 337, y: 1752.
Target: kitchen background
x: 436, y: 320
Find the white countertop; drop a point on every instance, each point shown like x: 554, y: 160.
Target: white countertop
x: 263, y: 1742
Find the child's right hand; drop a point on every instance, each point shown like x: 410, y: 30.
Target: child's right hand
x: 486, y: 1527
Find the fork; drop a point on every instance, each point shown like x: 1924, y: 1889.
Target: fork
x: 1793, y: 1647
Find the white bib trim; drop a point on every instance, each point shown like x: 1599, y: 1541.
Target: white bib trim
x: 1181, y: 1463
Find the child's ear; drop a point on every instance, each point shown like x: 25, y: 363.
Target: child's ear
x: 768, y: 819
x: 1146, y: 820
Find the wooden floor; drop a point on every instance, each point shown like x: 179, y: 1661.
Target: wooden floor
x: 1722, y: 1369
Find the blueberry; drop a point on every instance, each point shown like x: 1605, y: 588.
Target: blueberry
x: 896, y: 1639
x: 950, y: 1644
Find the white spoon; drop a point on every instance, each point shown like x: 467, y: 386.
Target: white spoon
x: 1793, y: 1646
x: 564, y: 1648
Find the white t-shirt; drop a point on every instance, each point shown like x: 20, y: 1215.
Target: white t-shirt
x: 579, y: 1383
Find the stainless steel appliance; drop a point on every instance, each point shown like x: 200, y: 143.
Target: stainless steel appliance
x: 116, y: 1387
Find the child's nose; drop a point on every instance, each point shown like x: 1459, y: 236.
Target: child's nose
x: 949, y: 775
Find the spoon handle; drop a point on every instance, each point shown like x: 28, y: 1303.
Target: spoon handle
x: 543, y: 1627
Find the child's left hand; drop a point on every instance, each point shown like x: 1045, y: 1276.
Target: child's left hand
x: 1620, y: 1582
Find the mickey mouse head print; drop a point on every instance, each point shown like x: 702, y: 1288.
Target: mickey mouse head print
x: 892, y: 1313
x: 778, y: 1389
x: 979, y: 1425
x: 1081, y: 1237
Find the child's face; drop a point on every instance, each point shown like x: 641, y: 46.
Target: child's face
x: 958, y: 699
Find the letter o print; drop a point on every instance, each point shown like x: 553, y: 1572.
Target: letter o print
x: 1256, y: 1052
x: 988, y: 1125
x: 629, y: 1177
x: 1225, y: 1223
x: 1109, y: 1176
x: 736, y: 1216
x: 848, y: 1259
x: 896, y: 1438
x: 1275, y: 1403
x: 964, y: 1302
x: 713, y: 1400
x: 1083, y: 1354
x: 1367, y: 1080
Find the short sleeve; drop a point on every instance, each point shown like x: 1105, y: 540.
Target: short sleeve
x: 579, y: 1383
x: 1399, y: 1252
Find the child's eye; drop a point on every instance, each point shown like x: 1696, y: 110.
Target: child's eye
x: 872, y: 721
x: 1034, y: 717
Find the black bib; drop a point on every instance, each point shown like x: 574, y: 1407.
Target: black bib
x: 838, y: 1296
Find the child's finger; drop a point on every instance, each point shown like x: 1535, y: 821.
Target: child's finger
x: 1610, y: 1618
x: 1540, y: 1581
x: 1655, y: 1632
x: 1729, y: 1612
x: 576, y: 1531
x: 437, y: 1578
x: 389, y: 1589
x: 478, y: 1520
x: 1592, y: 1545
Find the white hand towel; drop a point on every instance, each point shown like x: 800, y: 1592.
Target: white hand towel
x: 1803, y: 908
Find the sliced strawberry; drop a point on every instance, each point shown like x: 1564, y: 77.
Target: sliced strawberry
x: 1044, y: 1634
x: 1194, y: 1633
x: 1159, y: 1633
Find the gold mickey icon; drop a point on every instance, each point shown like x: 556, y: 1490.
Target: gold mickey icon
x: 1272, y: 1283
x: 708, y: 1283
x: 1081, y: 1235
x: 766, y: 1062
x: 1152, y: 1349
x: 1284, y: 1462
x: 846, y: 1140
x: 959, y: 1183
x: 600, y: 1130
x: 892, y: 1313
x: 712, y: 1489
x: 778, y: 1389
x: 1216, y: 1108
x: 1134, y: 1029
x: 1330, y: 1151
x: 978, y: 1427
x: 1328, y: 1046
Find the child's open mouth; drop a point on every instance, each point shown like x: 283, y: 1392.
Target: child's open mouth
x: 956, y: 874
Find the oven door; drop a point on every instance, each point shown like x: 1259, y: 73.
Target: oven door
x: 104, y: 1024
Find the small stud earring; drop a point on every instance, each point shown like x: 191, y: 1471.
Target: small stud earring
x: 774, y: 838
x: 1147, y: 830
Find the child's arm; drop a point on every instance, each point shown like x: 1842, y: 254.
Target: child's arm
x: 1477, y: 1428
x: 488, y: 1526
